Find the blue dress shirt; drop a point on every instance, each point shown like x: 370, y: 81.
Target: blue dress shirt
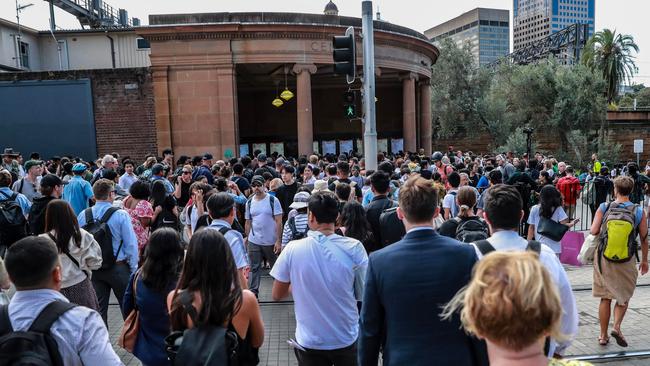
x: 24, y: 203
x: 236, y: 241
x: 122, y: 231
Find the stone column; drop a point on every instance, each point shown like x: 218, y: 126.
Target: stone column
x: 408, y: 112
x: 425, y: 116
x: 161, y: 104
x: 305, y: 122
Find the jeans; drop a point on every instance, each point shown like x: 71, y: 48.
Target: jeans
x: 338, y: 357
x: 256, y: 253
x: 115, y: 278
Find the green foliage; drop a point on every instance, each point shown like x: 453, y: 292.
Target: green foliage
x: 516, y: 142
x: 643, y: 98
x: 626, y: 102
x: 457, y: 85
x: 611, y: 55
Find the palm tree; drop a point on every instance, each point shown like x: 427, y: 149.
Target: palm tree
x: 611, y: 54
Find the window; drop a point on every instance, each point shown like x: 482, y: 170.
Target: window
x: 24, y: 54
x: 142, y: 44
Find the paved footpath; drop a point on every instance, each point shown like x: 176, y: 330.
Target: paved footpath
x: 280, y: 325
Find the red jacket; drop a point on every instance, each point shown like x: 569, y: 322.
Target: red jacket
x: 569, y: 187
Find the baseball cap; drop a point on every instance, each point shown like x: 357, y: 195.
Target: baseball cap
x: 261, y: 157
x: 157, y: 168
x: 257, y: 179
x: 207, y: 156
x: 31, y: 163
x: 79, y: 167
x: 51, y: 180
x: 300, y: 200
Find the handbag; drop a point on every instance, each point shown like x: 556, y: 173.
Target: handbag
x: 588, y: 250
x: 129, y: 332
x: 551, y: 229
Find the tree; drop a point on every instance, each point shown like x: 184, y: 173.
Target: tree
x: 643, y: 98
x: 457, y: 85
x: 611, y: 54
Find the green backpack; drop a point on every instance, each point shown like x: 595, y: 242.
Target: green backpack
x: 618, y: 233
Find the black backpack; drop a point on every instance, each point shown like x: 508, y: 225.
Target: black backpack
x: 485, y: 247
x: 102, y: 234
x: 391, y: 227
x: 202, y: 345
x: 35, y: 346
x: 13, y: 225
x: 166, y: 218
x: 295, y: 234
x: 471, y: 230
x: 524, y: 190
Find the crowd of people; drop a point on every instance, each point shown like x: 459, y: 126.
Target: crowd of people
x: 451, y: 257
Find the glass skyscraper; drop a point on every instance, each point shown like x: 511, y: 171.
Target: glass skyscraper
x: 536, y: 19
x: 486, y: 30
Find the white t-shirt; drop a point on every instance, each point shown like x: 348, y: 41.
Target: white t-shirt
x: 322, y: 285
x: 450, y: 202
x: 263, y: 228
x: 533, y: 219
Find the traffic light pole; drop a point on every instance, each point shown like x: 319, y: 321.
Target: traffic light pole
x: 370, y: 132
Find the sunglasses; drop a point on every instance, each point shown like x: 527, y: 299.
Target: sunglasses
x: 256, y: 185
x: 185, y: 172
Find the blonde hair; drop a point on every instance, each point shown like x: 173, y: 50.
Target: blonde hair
x: 511, y: 301
x: 275, y: 184
x: 466, y: 201
x: 623, y: 185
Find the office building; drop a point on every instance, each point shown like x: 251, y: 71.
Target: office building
x: 536, y: 19
x: 486, y: 30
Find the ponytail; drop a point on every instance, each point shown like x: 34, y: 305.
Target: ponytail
x: 464, y: 211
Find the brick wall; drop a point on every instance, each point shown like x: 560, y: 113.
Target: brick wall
x: 123, y: 107
x: 124, y: 113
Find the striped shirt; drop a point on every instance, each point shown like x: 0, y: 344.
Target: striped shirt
x: 301, y: 226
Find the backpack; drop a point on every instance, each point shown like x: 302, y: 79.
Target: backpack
x: 204, y: 344
x: 524, y: 192
x: 471, y: 230
x: 637, y: 194
x: 295, y: 234
x: 588, y: 195
x: 618, y: 233
x: 454, y: 209
x: 102, y: 234
x: 13, y: 225
x: 249, y: 203
x: 391, y: 227
x: 166, y: 219
x: 485, y: 247
x: 35, y: 346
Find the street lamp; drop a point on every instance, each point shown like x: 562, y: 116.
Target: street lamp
x: 528, y: 131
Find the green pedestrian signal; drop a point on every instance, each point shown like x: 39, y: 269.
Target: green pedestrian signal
x: 350, y: 111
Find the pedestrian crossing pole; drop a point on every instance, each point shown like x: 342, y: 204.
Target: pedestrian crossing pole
x: 369, y: 117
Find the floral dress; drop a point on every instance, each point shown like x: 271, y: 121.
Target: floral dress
x: 142, y: 210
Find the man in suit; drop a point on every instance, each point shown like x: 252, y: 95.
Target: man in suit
x: 407, y: 284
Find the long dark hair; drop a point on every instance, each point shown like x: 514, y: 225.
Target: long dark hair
x: 210, y: 269
x: 60, y: 218
x: 162, y: 259
x: 549, y: 200
x: 158, y: 193
x: 353, y: 218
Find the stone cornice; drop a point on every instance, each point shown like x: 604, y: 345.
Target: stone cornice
x: 278, y: 31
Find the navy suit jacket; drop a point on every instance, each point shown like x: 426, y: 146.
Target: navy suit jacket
x: 407, y: 284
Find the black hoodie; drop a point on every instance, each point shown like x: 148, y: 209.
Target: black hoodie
x: 37, y: 215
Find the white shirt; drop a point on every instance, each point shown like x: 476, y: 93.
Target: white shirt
x: 450, y: 202
x: 80, y: 332
x: 88, y: 254
x: 263, y: 227
x: 507, y: 240
x: 533, y: 219
x: 322, y: 272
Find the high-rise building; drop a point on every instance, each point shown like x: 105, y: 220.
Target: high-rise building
x: 536, y: 19
x: 486, y: 30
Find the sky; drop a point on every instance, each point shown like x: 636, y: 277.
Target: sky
x: 626, y: 16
